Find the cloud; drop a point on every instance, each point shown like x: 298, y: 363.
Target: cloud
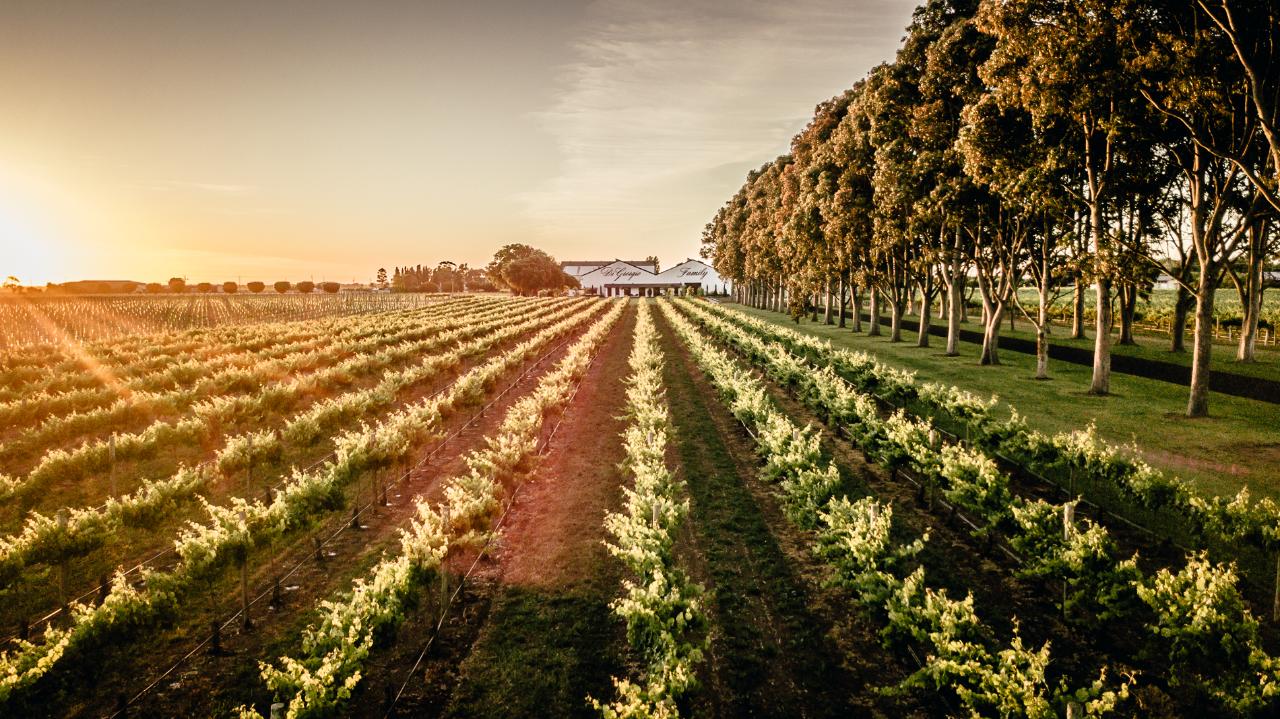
x: 663, y: 96
x: 211, y: 187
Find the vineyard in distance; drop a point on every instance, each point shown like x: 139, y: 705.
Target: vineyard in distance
x: 481, y: 504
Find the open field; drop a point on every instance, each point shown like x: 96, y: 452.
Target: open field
x: 500, y: 506
x: 32, y: 321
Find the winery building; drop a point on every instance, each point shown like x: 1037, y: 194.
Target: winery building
x: 640, y: 279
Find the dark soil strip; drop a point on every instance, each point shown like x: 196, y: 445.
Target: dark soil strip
x: 774, y: 650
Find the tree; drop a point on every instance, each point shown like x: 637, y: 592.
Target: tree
x: 1212, y: 145
x: 1251, y: 29
x: 382, y: 278
x: 1061, y: 63
x: 154, y: 288
x: 256, y: 287
x: 654, y: 260
x: 445, y: 275
x: 527, y: 270
x: 282, y: 286
x: 230, y: 287
x: 205, y: 287
x: 12, y: 284
x: 330, y: 287
x: 306, y: 287
x: 177, y: 285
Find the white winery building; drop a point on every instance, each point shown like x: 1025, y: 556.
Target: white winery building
x: 619, y: 277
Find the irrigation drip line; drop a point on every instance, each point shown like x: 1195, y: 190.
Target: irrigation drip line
x: 149, y: 563
x: 345, y: 525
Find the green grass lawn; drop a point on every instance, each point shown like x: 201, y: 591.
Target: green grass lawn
x: 1239, y: 445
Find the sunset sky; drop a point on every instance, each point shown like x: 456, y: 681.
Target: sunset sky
x: 285, y: 140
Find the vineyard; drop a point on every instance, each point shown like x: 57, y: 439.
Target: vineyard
x: 28, y: 324
x: 489, y: 505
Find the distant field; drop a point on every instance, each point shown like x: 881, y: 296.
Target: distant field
x: 27, y: 320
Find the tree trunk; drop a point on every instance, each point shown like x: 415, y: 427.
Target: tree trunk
x: 896, y: 308
x: 813, y: 317
x: 1101, y: 383
x: 1251, y: 294
x: 826, y: 312
x: 955, y: 300
x: 1202, y: 349
x: 874, y: 330
x: 856, y: 310
x: 926, y: 314
x: 1178, y: 330
x: 1042, y: 348
x: 840, y: 289
x: 1077, y: 310
x: 1128, y: 306
x: 991, y: 337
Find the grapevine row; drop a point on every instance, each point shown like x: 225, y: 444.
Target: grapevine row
x: 207, y: 418
x: 1230, y: 523
x: 333, y: 653
x: 50, y: 540
x: 1008, y: 681
x: 80, y: 386
x: 662, y: 607
x: 231, y: 532
x: 1195, y: 617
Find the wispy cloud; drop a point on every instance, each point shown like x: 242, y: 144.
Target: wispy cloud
x: 669, y: 102
x: 218, y: 188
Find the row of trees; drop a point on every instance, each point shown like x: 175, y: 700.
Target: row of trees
x: 1059, y: 145
x: 447, y: 276
x: 178, y: 285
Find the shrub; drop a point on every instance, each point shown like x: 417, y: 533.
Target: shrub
x: 306, y: 287
x: 330, y: 287
x: 282, y: 286
x: 230, y: 287
x: 256, y: 287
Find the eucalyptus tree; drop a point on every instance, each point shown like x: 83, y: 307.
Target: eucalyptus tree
x: 760, y: 233
x: 1251, y: 29
x: 889, y: 99
x: 948, y: 81
x: 847, y: 205
x: 1060, y: 61
x: 812, y: 184
x: 1214, y: 145
x: 1263, y: 242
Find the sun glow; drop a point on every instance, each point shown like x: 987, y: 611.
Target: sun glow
x: 28, y: 250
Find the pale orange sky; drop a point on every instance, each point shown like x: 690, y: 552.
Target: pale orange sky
x: 285, y: 140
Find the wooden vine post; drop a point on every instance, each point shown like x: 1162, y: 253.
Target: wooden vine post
x: 444, y: 573
x: 1068, y: 526
x: 248, y: 471
x: 62, y: 563
x: 1275, y: 602
x: 111, y: 450
x: 244, y: 579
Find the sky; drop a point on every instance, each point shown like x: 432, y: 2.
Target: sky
x: 221, y: 140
